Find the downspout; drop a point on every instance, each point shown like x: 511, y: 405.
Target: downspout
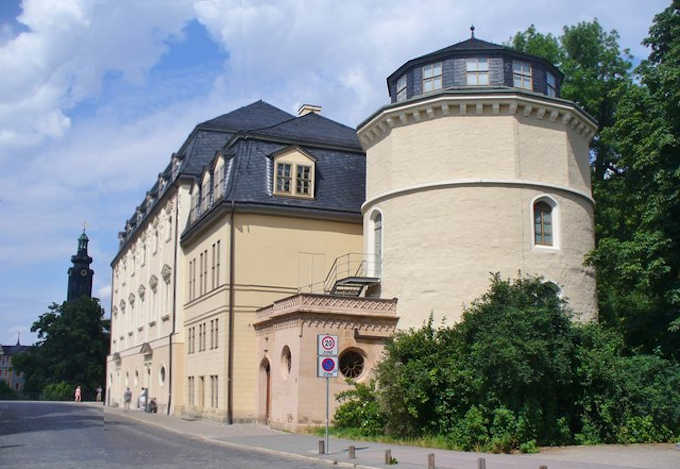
x: 174, y: 303
x: 230, y: 360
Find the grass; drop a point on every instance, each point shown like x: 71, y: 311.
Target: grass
x: 438, y: 442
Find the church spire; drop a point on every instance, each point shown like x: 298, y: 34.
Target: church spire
x: 80, y: 274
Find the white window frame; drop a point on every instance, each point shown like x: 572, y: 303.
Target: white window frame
x: 522, y: 71
x: 477, y: 67
x: 401, y: 88
x: 555, y: 219
x: 375, y: 263
x: 431, y: 74
x: 550, y: 88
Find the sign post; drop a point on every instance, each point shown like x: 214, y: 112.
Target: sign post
x: 327, y: 368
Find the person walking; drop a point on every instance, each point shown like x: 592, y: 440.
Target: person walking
x: 127, y: 397
x: 77, y: 397
x: 99, y: 394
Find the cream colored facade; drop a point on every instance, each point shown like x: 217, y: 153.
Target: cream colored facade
x: 454, y: 180
x: 147, y: 340
x: 275, y: 253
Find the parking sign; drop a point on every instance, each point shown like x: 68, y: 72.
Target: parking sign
x: 328, y: 366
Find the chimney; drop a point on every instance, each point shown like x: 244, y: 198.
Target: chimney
x: 307, y: 108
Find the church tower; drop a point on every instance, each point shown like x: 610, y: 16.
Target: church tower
x: 80, y: 275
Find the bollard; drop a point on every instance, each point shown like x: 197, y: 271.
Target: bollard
x: 481, y: 463
x: 322, y: 447
x: 388, y: 456
x: 352, y: 452
x: 430, y: 461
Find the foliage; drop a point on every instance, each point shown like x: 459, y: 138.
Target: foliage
x: 514, y: 373
x: 7, y: 393
x: 73, y: 341
x: 359, y: 410
x: 61, y: 391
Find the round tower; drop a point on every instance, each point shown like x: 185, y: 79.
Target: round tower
x: 477, y: 166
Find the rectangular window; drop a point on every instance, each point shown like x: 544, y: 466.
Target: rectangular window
x: 550, y: 85
x: 191, y: 390
x: 212, y: 331
x: 189, y: 277
x: 213, y: 392
x: 521, y: 75
x: 200, y: 274
x: 201, y: 392
x: 432, y: 77
x: 205, y: 271
x: 217, y: 267
x: 212, y: 268
x: 303, y: 180
x: 283, y: 175
x: 401, y: 88
x: 477, y: 71
x: 217, y: 334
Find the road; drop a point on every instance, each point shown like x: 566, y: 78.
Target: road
x: 65, y: 435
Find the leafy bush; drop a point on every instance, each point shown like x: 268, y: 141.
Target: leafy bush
x: 7, y: 393
x: 516, y: 372
x: 61, y: 391
x: 359, y: 410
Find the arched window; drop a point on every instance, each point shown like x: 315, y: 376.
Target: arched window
x: 543, y: 224
x: 376, y: 218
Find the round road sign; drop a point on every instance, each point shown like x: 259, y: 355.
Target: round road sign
x: 328, y: 364
x: 328, y: 342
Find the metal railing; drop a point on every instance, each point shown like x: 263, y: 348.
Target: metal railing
x: 352, y: 264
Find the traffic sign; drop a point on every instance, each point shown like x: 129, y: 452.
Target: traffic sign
x: 328, y: 344
x: 328, y: 366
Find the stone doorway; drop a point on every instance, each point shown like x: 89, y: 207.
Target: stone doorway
x: 265, y: 394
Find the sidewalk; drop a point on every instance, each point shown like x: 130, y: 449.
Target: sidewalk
x: 260, y: 438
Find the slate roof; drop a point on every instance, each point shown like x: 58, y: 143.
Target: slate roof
x: 340, y: 167
x: 339, y: 177
x: 314, y: 128
x: 14, y: 349
x: 467, y: 47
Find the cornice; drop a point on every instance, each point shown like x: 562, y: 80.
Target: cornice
x: 474, y: 102
x: 470, y: 182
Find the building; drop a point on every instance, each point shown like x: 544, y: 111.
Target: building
x: 292, y: 226
x: 80, y: 274
x: 7, y: 373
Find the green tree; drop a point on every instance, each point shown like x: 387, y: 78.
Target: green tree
x: 638, y: 256
x: 73, y: 342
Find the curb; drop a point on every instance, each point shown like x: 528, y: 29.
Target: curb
x: 258, y: 449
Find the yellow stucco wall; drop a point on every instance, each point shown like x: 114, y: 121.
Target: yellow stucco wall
x: 274, y: 255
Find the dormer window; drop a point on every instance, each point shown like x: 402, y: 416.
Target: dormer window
x: 283, y: 177
x: 293, y: 162
x: 303, y: 179
x: 401, y: 88
x: 521, y: 75
x: 550, y: 84
x: 432, y: 77
x: 477, y: 71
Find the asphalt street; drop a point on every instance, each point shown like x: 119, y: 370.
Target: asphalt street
x: 56, y: 435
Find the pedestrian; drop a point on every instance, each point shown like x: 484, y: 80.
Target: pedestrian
x: 127, y: 397
x: 99, y: 394
x: 141, y: 401
x: 77, y: 399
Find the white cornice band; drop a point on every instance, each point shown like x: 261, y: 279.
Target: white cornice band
x: 470, y: 182
x: 450, y: 105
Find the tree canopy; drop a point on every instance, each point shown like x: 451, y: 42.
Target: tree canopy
x: 73, y: 342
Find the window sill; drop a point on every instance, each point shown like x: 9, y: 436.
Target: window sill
x: 293, y: 196
x: 541, y: 247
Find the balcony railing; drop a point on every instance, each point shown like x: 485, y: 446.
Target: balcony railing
x: 353, y: 265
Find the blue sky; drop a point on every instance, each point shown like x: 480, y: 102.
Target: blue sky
x: 96, y: 95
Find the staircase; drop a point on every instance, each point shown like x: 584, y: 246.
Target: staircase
x: 349, y: 275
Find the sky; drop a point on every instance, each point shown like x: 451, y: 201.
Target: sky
x: 95, y: 95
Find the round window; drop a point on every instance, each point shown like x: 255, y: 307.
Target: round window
x: 286, y: 361
x: 162, y: 375
x: 351, y: 364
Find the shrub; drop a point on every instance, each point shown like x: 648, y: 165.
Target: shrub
x: 7, y: 393
x: 61, y: 391
x: 528, y: 447
x: 471, y: 432
x: 359, y: 410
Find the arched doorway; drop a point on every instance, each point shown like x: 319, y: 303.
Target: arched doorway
x: 265, y: 391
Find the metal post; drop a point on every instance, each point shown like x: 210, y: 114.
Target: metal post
x: 328, y: 394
